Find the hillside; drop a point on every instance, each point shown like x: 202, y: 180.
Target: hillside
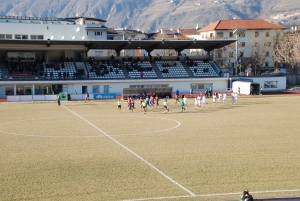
x: 150, y: 15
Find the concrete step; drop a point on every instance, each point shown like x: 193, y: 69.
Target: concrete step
x: 187, y: 69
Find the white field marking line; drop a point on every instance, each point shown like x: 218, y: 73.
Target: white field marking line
x: 212, y: 195
x: 149, y: 132
x: 132, y: 152
x: 77, y: 136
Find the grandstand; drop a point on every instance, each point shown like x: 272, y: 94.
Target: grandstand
x: 203, y: 69
x: 141, y: 70
x: 56, y: 71
x: 108, y: 71
x: 173, y: 69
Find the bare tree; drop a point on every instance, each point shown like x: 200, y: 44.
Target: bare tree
x: 287, y: 51
x: 258, y: 50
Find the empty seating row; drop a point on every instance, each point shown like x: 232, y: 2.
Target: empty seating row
x: 141, y: 70
x: 65, y: 71
x: 111, y: 73
x: 175, y: 69
x: 203, y: 69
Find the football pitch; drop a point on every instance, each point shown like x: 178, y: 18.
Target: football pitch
x: 91, y: 151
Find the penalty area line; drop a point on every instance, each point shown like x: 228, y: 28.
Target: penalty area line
x: 132, y: 152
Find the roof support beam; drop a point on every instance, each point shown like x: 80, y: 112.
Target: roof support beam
x: 150, y: 49
x: 178, y: 50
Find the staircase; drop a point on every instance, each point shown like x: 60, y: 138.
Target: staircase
x: 126, y: 74
x: 188, y: 70
x: 4, y: 72
x: 157, y: 71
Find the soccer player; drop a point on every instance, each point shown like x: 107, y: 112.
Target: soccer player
x: 119, y: 105
x: 156, y: 99
x: 177, y: 96
x: 198, y: 100
x: 166, y: 106
x: 141, y: 101
x: 203, y: 101
x: 232, y: 98
x: 147, y: 101
x: 185, y: 102
x: 195, y: 103
x: 132, y: 104
x: 87, y: 96
x: 235, y: 97
x: 214, y: 97
x: 224, y: 97
x: 182, y: 105
x: 219, y: 97
x: 129, y: 103
x: 144, y: 105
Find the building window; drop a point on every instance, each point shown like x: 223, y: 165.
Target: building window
x: 267, y: 44
x: 241, y: 54
x: 98, y: 33
x: 267, y: 54
x: 230, y: 54
x: 9, y: 90
x: 197, y: 86
x: 220, y: 34
x: 266, y: 64
x: 19, y: 36
x: 256, y: 34
x: 36, y: 37
x: 24, y: 90
x: 231, y: 34
x: 256, y: 44
x: 267, y: 34
x: 96, y: 89
x: 202, y: 36
x: 242, y: 44
x: 270, y: 84
x: 87, y: 33
x: 242, y: 35
x: 211, y: 35
x: 5, y: 36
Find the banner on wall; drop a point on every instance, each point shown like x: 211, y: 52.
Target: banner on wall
x: 105, y: 96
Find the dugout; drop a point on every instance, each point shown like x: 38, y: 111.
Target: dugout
x: 245, y: 87
x: 162, y: 92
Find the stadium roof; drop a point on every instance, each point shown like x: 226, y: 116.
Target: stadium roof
x: 119, y: 45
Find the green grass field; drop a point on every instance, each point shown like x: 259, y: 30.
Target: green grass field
x: 90, y: 151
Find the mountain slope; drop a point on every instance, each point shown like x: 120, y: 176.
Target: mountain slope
x: 150, y: 15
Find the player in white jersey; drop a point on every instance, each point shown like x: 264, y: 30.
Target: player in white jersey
x: 214, y: 98
x: 235, y: 97
x: 224, y: 98
x: 219, y: 97
x: 232, y: 98
x: 203, y: 100
x: 185, y: 102
x: 198, y: 101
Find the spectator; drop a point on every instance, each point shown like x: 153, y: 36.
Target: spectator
x: 246, y: 196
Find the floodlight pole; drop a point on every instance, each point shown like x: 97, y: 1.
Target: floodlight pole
x: 237, y: 32
x: 236, y: 52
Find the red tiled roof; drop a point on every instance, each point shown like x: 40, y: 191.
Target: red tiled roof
x: 192, y: 31
x: 244, y: 24
x: 168, y: 35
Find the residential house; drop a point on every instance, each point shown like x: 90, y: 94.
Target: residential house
x: 254, y: 46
